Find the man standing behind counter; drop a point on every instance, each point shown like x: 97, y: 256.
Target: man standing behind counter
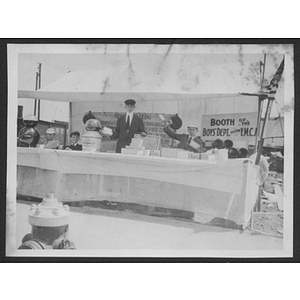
x: 128, y: 125
x: 190, y: 141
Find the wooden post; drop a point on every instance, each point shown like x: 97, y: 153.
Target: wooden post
x: 252, y: 220
x: 261, y: 142
x: 259, y: 198
x: 260, y: 99
x: 258, y: 123
x: 36, y: 86
x: 39, y: 82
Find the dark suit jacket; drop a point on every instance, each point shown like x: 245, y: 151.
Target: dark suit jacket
x: 124, y: 134
x: 77, y: 147
x: 184, y: 139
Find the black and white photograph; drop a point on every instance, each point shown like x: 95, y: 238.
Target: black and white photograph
x: 150, y: 150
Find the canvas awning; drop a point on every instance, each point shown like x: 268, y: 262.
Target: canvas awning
x: 117, y: 97
x: 151, y: 77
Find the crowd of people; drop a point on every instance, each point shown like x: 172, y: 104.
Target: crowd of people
x: 232, y: 151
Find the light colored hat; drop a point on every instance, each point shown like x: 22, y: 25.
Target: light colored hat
x: 50, y: 131
x: 193, y: 125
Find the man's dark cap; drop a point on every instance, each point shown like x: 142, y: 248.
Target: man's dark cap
x: 129, y: 102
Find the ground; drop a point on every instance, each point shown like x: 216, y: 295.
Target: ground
x: 114, y: 232
x: 269, y: 219
x: 269, y: 223
x: 125, y: 234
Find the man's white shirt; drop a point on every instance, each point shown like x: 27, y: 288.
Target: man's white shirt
x: 130, y: 117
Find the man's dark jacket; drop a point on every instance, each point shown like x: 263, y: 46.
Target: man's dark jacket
x: 78, y: 147
x: 124, y: 134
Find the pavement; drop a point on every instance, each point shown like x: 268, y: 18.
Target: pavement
x: 97, y: 232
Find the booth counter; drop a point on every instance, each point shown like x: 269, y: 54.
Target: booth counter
x: 225, y: 189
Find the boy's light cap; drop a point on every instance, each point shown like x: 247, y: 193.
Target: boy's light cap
x: 50, y: 131
x: 195, y: 125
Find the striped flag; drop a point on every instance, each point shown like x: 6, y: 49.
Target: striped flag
x: 271, y: 89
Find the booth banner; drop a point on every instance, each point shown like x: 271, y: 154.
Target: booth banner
x: 152, y: 122
x: 236, y: 127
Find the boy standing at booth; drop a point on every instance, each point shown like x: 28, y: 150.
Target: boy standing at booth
x: 190, y: 142
x: 74, y: 138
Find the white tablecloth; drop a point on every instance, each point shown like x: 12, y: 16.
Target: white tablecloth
x: 225, y: 189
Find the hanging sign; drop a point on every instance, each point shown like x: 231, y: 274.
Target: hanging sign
x: 236, y: 127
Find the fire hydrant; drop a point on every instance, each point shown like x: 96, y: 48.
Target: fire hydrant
x: 50, y: 226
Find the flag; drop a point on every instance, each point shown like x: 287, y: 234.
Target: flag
x: 271, y: 89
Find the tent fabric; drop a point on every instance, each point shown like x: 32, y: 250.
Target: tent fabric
x: 151, y: 77
x: 116, y: 97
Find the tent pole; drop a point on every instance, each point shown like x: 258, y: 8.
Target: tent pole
x: 258, y: 123
x: 70, y: 117
x: 39, y: 101
x: 259, y: 104
x: 261, y: 141
x: 36, y: 86
x: 263, y: 74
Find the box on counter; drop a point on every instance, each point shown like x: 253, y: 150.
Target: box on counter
x: 137, y: 139
x: 136, y: 142
x: 193, y: 155
x: 215, y: 155
x: 183, y: 154
x: 131, y: 151
x: 151, y: 142
x: 205, y: 155
x: 170, y: 152
x: 222, y: 155
x: 188, y: 155
x: 212, y: 158
x: 154, y: 152
x: 135, y: 147
x: 146, y: 152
